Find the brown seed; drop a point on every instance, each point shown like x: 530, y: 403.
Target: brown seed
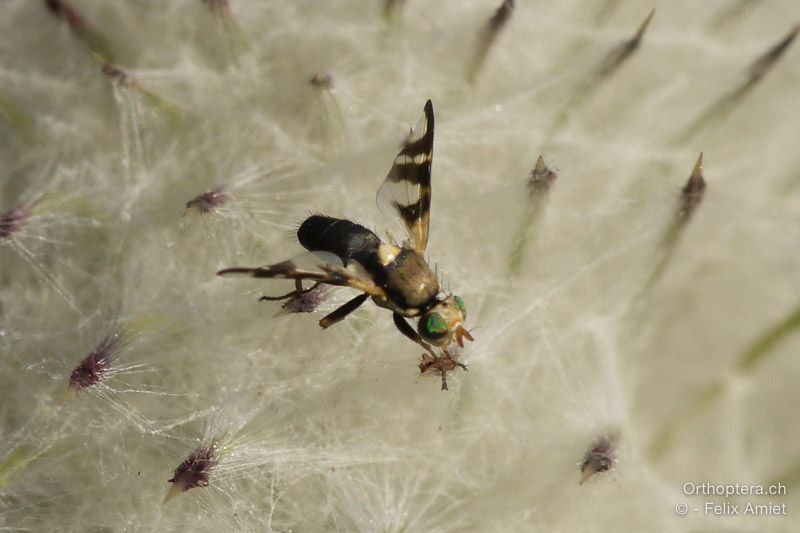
x: 208, y: 201
x: 489, y: 35
x: 11, y: 221
x: 763, y: 64
x: 64, y: 10
x: 306, y: 301
x: 195, y: 470
x: 94, y: 366
x: 623, y: 52
x: 541, y: 177
x: 692, y: 193
x: 321, y: 80
x: 600, y: 458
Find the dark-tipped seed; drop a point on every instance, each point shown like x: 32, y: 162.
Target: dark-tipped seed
x: 636, y: 40
x: 11, y: 221
x: 115, y: 73
x: 80, y: 28
x: 195, y: 470
x: 67, y: 12
x: 489, y: 35
x: 763, y: 64
x: 307, y: 301
x: 321, y: 80
x: 541, y: 177
x: 501, y: 16
x: 208, y: 201
x: 599, y: 458
x: 692, y: 193
x: 94, y: 366
x: 726, y: 103
x: 624, y: 51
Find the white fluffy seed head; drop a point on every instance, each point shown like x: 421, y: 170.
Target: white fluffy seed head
x: 336, y: 428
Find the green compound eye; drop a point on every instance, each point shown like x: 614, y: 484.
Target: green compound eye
x: 433, y: 328
x: 435, y: 324
x: 461, y: 305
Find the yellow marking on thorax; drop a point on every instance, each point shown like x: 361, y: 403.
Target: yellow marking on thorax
x: 387, y: 253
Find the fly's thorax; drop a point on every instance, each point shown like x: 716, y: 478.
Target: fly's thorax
x: 408, y: 278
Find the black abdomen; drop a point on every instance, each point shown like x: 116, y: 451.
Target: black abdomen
x: 346, y: 239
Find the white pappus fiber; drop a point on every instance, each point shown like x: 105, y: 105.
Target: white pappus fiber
x: 633, y: 295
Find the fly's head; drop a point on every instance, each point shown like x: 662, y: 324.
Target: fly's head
x: 443, y: 322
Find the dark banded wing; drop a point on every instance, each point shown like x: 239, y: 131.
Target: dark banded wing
x: 324, y: 267
x: 406, y: 191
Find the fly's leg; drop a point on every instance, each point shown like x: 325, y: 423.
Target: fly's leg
x: 428, y: 361
x: 341, y: 312
x: 443, y: 363
x: 298, y: 290
x: 406, y: 329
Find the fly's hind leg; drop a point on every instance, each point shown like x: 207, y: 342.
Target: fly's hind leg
x: 341, y: 312
x: 298, y: 290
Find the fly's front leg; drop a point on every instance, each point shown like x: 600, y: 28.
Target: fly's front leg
x: 406, y: 329
x: 298, y: 290
x: 443, y: 364
x: 428, y: 359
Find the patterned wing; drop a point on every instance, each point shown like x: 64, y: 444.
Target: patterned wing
x: 324, y: 267
x: 406, y: 191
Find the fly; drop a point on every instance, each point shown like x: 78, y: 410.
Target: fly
x: 396, y: 277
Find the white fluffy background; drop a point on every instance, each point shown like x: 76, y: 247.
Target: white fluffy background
x: 336, y: 430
